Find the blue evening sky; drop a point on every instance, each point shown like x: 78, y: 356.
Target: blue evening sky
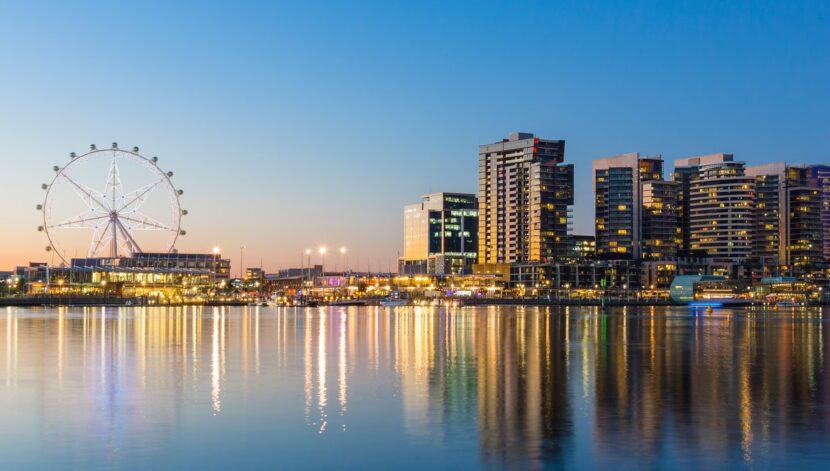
x: 291, y: 125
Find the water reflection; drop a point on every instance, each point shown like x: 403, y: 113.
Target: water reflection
x: 513, y: 387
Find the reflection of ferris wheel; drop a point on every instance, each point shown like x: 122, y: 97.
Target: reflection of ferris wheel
x: 121, y: 223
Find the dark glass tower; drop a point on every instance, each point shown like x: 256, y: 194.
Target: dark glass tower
x: 440, y: 234
x: 635, y: 208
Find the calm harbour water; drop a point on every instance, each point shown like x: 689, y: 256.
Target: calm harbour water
x: 412, y: 388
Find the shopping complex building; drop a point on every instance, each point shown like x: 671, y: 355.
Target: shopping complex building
x: 159, y: 276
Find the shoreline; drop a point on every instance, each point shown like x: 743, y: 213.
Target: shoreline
x: 100, y: 301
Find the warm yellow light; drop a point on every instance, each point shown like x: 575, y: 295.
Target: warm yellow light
x: 322, y: 250
x: 342, y: 249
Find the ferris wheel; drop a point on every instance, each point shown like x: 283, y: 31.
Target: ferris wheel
x: 110, y: 203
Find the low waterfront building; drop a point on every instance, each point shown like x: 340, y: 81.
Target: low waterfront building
x: 611, y: 274
x: 657, y: 274
x: 214, y: 263
x: 682, y: 289
x: 579, y: 248
x: 686, y: 289
x: 305, y: 272
x: 787, y: 289
x: 161, y: 277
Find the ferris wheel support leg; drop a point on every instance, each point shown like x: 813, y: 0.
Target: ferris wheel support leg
x: 130, y: 239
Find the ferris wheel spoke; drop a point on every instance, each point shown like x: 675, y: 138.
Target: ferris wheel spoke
x: 101, y: 236
x: 131, y: 242
x: 87, y: 194
x: 113, y: 190
x: 78, y: 222
x: 137, y: 197
x: 145, y: 223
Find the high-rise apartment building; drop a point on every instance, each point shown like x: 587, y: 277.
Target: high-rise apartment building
x: 820, y: 179
x: 683, y: 177
x: 525, y: 192
x: 716, y: 201
x: 787, y: 229
x: 635, y: 209
x: 660, y: 220
x: 440, y: 235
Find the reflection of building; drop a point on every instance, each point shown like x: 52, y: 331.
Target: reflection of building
x: 440, y: 235
x: 524, y: 196
x: 524, y: 408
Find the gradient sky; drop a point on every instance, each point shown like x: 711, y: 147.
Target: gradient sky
x: 298, y: 124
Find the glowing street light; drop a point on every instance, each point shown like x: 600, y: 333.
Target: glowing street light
x: 322, y: 252
x: 305, y: 265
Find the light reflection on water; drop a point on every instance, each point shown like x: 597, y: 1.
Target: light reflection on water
x: 412, y: 388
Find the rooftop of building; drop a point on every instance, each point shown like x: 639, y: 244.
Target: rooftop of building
x: 518, y: 140
x: 704, y: 160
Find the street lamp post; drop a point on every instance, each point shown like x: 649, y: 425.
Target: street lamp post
x: 323, y: 259
x: 308, y: 265
x: 242, y: 262
x: 213, y: 272
x: 343, y: 258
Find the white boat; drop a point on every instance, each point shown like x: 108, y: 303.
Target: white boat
x: 787, y: 303
x: 390, y: 302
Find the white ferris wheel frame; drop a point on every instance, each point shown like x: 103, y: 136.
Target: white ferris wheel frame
x: 119, y: 209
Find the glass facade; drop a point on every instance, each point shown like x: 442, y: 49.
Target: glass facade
x: 661, y: 231
x: 635, y: 209
x: 441, y: 231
